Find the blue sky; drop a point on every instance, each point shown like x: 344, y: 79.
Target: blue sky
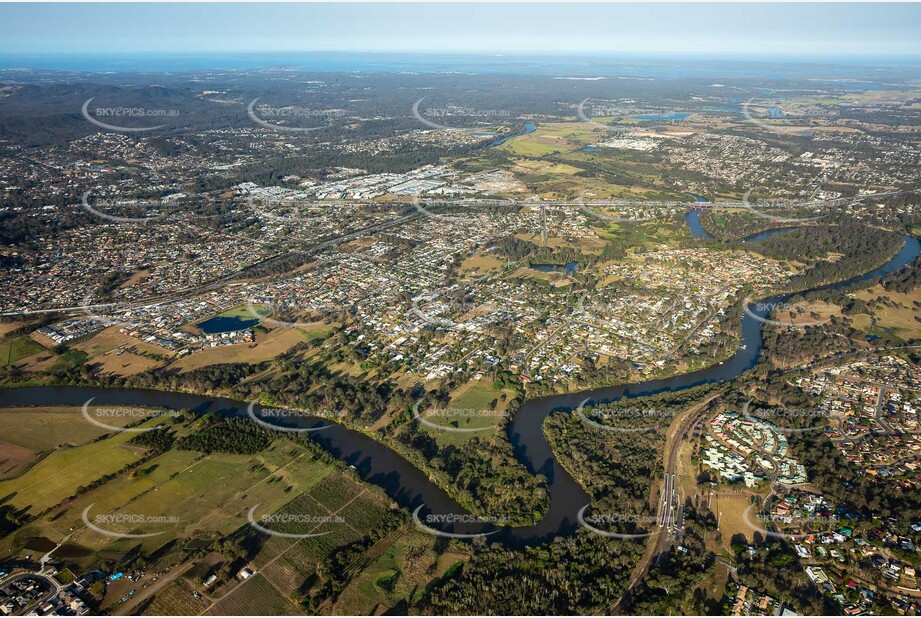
x: 822, y: 29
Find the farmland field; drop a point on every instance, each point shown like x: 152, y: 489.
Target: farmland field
x: 267, y: 346
x: 898, y: 314
x: 15, y: 349
x: 549, y: 139
x: 473, y: 405
x: 61, y: 473
x: 255, y: 597
x: 41, y: 429
x: 211, y: 493
x: 175, y: 600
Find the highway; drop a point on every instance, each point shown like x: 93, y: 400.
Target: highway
x: 222, y: 281
x: 669, y: 517
x: 467, y: 203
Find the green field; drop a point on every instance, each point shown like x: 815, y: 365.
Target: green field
x: 211, y: 493
x: 208, y: 496
x: 473, y: 401
x: 547, y: 139
x: 59, y: 475
x: 41, y: 429
x: 243, y: 311
x: 386, y: 579
x: 14, y: 350
x: 175, y: 600
x: 256, y: 597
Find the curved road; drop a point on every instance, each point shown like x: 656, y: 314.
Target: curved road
x: 408, y: 485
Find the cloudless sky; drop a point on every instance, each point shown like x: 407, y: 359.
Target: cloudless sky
x: 513, y: 28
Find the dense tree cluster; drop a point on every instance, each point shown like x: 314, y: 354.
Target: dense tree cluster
x: 675, y: 582
x: 829, y: 469
x: 312, y: 387
x: 223, y: 434
x: 580, y: 574
x: 483, y: 474
x: 158, y: 440
x: 862, y: 248
x: 335, y: 572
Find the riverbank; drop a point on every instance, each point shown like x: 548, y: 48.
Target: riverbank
x: 406, y: 483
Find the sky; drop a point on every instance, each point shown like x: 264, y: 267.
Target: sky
x: 764, y: 29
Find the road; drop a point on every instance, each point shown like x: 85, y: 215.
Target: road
x: 222, y: 281
x: 660, y: 542
x: 54, y: 587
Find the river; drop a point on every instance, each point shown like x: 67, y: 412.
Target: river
x: 408, y: 485
x: 529, y: 127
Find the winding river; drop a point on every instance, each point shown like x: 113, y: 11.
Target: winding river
x: 408, y: 485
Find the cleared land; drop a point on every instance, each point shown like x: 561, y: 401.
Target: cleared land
x: 257, y: 597
x: 176, y: 600
x: 14, y: 459
x: 471, y: 407
x: 42, y: 428
x: 267, y: 346
x: 550, y: 138
x: 899, y: 312
x: 480, y: 264
x: 7, y: 327
x: 63, y: 472
x: 30, y: 432
x: 15, y: 349
x: 121, y: 355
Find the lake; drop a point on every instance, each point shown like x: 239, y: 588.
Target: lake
x: 668, y: 116
x: 407, y: 484
x: 224, y: 324
x: 570, y: 267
